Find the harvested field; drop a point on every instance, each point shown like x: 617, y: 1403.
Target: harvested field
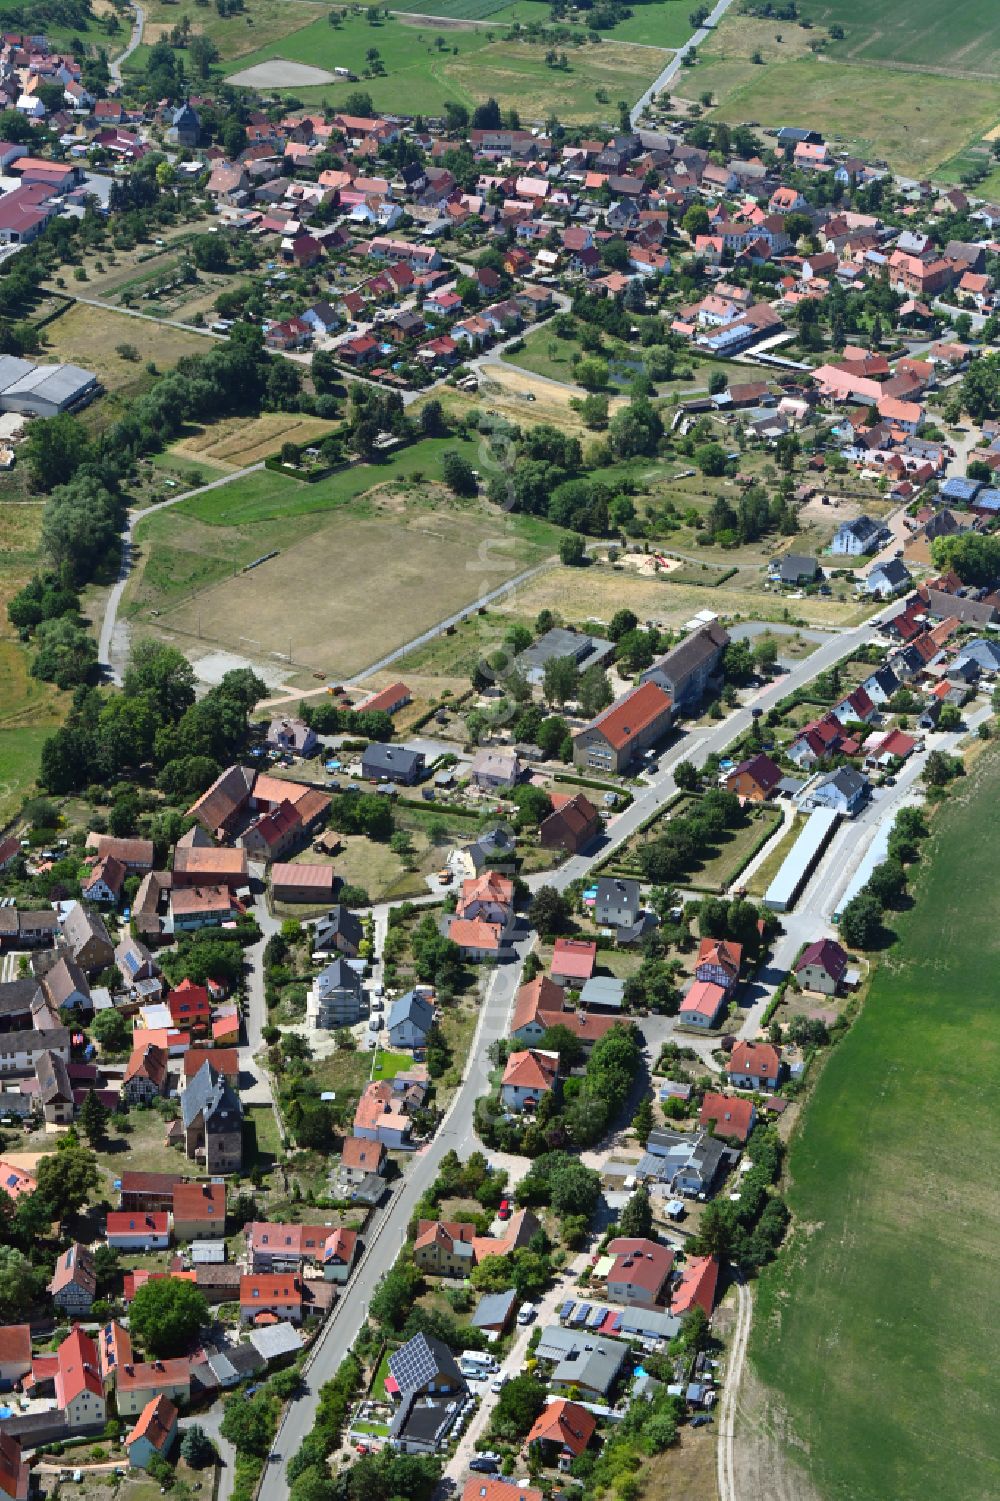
x: 239, y: 441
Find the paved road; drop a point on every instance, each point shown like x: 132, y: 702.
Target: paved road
x: 677, y: 61
x: 112, y: 645
x: 115, y: 66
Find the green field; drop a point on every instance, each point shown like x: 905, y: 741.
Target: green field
x: 963, y: 37
x: 268, y: 497
x: 875, y: 111
x: 877, y: 1328
x: 468, y: 67
x: 660, y: 23
x: 545, y: 353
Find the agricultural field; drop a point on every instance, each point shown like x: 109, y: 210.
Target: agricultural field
x: 876, y: 1330
x: 332, y: 544
x: 962, y: 38
x: 914, y: 128
x: 465, y: 65
x: 236, y: 442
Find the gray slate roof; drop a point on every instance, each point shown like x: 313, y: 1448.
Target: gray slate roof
x: 209, y: 1096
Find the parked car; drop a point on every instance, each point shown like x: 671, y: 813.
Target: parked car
x: 484, y: 1466
x: 526, y: 1313
x: 503, y: 1213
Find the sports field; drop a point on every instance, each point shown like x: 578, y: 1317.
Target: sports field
x: 877, y: 1329
x: 467, y: 67
x: 353, y: 571
x: 875, y: 111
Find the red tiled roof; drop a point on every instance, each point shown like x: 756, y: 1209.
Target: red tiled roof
x: 633, y: 713
x: 564, y: 1423
x: 731, y: 1115
x: 156, y: 1423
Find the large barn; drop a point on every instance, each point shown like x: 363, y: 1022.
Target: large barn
x: 43, y: 390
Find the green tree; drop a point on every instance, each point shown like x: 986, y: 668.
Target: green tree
x: 549, y: 911
x: 166, y: 1315
x: 560, y: 680
x: 66, y: 1179
x: 17, y: 1285
x: 94, y: 1119
x: 711, y: 459
x: 696, y: 221
x: 643, y: 1120
x: 458, y: 474
x: 519, y: 1404
x: 636, y: 1219
x: 572, y: 551
x: 197, y: 1448
x: 687, y: 776
x: 861, y: 921
x: 53, y: 448
x: 247, y: 1422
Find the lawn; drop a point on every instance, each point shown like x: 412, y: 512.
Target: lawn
x: 262, y: 1146
x: 257, y: 24
x: 388, y: 1065
x: 877, y: 1329
x: 595, y: 593
x: 545, y: 353
x: 29, y: 708
x: 660, y: 23
x: 775, y: 858
x: 345, y: 1072
x: 468, y: 66
x: 915, y: 127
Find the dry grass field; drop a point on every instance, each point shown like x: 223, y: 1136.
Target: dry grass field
x: 238, y: 441
x: 595, y: 593
x: 92, y: 337
x: 915, y: 125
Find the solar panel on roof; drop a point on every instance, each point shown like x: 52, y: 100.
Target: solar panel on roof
x: 567, y: 1309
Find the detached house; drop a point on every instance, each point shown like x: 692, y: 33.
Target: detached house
x: 822, y: 966
x: 527, y: 1077
x: 719, y: 963
x: 74, y: 1281
x: 755, y: 779
x: 754, y: 1065
x: 640, y: 1272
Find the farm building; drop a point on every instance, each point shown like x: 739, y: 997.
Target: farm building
x: 302, y: 883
